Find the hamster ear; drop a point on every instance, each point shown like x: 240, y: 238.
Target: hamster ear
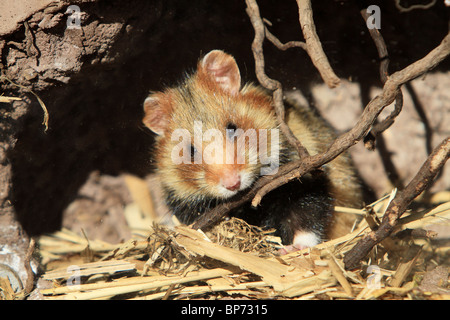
x: 222, y: 68
x: 156, y: 114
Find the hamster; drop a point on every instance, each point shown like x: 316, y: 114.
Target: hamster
x: 216, y: 137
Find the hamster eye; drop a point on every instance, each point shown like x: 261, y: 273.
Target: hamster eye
x: 193, y: 152
x: 231, y: 126
x: 231, y: 130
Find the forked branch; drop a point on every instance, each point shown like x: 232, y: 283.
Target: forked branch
x: 365, y: 122
x: 399, y: 204
x: 308, y: 163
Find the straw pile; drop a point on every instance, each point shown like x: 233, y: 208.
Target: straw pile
x: 239, y: 261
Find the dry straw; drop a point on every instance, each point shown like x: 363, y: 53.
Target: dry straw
x: 237, y: 260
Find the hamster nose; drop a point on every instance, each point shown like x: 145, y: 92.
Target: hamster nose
x: 232, y: 182
x: 234, y: 187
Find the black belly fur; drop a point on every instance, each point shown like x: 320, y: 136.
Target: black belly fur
x: 303, y: 204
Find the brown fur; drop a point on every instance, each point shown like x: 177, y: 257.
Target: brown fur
x: 213, y: 96
x: 345, y: 187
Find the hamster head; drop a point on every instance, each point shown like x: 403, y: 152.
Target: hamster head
x: 214, y: 137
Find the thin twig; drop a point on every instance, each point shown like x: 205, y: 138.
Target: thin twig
x: 29, y: 285
x: 378, y: 128
x: 397, y: 207
x: 414, y: 6
x: 273, y: 85
x: 314, y: 46
x: 284, y: 46
x: 374, y: 138
x: 42, y: 104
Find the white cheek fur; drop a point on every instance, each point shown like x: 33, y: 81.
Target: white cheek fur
x: 224, y: 192
x: 247, y: 179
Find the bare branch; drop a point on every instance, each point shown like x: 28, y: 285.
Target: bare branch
x: 369, y: 140
x: 275, y: 86
x: 284, y: 46
x: 414, y: 6
x: 30, y: 275
x: 368, y: 117
x: 314, y: 46
x: 397, y: 207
